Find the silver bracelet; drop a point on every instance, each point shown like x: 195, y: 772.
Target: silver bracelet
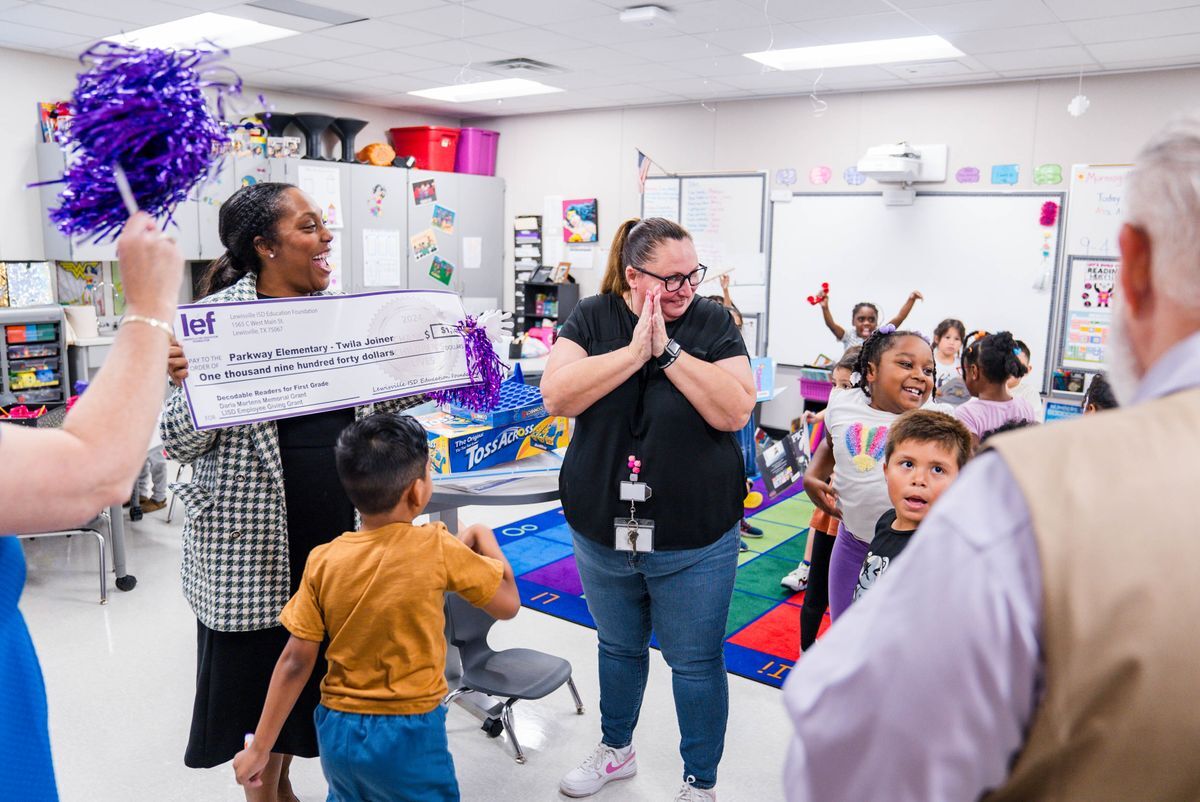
x: 161, y: 325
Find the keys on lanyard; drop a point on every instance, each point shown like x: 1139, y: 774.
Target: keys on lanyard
x: 634, y: 534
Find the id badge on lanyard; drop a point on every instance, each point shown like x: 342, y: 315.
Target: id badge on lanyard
x: 634, y: 533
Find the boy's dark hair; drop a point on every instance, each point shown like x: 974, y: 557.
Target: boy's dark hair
x: 873, y: 349
x: 378, y: 457
x: 1100, y: 394
x: 849, y: 360
x: 928, y: 426
x: 860, y: 305
x: 1010, y: 426
x: 995, y: 355
x: 946, y: 325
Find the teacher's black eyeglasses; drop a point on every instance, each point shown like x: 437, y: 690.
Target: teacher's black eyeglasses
x: 673, y: 283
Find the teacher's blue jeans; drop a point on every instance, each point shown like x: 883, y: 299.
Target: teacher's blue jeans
x: 684, y: 597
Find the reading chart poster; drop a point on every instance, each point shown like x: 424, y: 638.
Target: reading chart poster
x: 1090, y: 293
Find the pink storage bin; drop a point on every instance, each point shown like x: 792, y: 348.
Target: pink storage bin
x: 814, y: 390
x: 476, y: 151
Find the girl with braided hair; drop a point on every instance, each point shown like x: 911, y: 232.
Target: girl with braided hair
x: 262, y: 496
x: 894, y: 373
x: 989, y: 361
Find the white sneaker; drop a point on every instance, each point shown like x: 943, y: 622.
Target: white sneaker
x: 690, y: 793
x: 797, y: 580
x: 602, y: 765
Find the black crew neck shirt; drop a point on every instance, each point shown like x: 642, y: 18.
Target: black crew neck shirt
x: 695, y: 471
x: 885, y: 547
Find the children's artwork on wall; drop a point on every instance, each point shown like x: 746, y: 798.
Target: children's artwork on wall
x: 443, y: 219
x: 375, y: 204
x: 3, y: 284
x: 786, y: 176
x: 853, y: 177
x: 441, y: 270
x: 423, y: 244
x: 424, y: 192
x: 967, y: 175
x: 1005, y: 174
x: 324, y: 186
x: 580, y: 220
x: 29, y: 284
x: 1048, y: 174
x: 819, y: 175
x: 81, y: 284
x: 118, y: 289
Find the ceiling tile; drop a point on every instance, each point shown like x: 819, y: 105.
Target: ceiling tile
x: 335, y: 71
x: 372, y: 8
x: 1007, y: 39
x: 864, y: 28
x: 696, y: 88
x: 674, y: 48
x: 24, y: 36
x: 630, y: 92
x: 801, y: 10
x: 458, y: 51
x: 610, y: 31
x: 982, y: 16
x: 1035, y: 59
x: 929, y: 69
x: 392, y: 84
x: 139, y: 12
x: 1185, y: 48
x: 447, y: 74
x: 1096, y: 9
x: 62, y: 21
x: 1175, y: 22
x: 454, y: 22
x: 388, y: 62
x: 257, y: 59
x: 533, y: 12
x: 709, y: 16
x: 752, y: 40
x: 381, y: 35
x: 531, y: 42
x: 719, y: 66
x: 315, y: 47
x: 593, y: 58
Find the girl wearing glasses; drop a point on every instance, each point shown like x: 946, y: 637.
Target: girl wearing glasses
x: 655, y: 375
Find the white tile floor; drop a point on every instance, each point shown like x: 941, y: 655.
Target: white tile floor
x: 120, y: 680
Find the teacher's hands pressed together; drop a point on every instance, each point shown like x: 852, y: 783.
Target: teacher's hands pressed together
x: 652, y: 488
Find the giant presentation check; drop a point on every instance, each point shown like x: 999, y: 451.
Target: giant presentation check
x: 277, y: 358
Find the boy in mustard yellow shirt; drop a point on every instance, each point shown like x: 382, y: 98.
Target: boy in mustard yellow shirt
x: 377, y: 594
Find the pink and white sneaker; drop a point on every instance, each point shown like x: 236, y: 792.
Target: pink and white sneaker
x: 601, y: 766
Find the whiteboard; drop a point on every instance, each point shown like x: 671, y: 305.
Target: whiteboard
x: 726, y: 216
x: 974, y: 256
x: 1096, y: 209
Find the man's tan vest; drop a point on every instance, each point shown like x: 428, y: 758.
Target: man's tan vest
x: 1115, y: 502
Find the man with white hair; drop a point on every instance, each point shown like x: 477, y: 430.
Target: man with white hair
x: 1028, y: 645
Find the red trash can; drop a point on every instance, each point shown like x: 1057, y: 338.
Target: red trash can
x: 432, y: 146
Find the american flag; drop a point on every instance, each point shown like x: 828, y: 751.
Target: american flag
x: 643, y: 171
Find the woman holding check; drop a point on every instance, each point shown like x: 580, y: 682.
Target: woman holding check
x: 652, y: 487
x: 262, y: 496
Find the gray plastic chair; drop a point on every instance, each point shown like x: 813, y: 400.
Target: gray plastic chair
x: 92, y: 528
x: 513, y: 674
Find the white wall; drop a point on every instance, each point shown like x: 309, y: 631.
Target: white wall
x: 592, y: 153
x: 32, y: 78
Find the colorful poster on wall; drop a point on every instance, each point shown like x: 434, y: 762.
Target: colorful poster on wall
x: 29, y: 284
x: 580, y: 220
x: 443, y: 219
x: 424, y: 192
x: 1091, y: 286
x: 423, y: 244
x: 441, y: 270
x: 81, y: 284
x: 3, y: 284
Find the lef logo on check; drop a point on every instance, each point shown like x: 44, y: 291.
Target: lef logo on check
x: 199, y: 327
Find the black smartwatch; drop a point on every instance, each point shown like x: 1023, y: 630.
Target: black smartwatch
x: 670, y: 353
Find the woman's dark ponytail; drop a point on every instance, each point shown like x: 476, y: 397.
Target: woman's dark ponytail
x: 250, y: 213
x: 633, y: 245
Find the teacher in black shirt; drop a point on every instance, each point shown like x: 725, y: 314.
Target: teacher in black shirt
x: 652, y: 486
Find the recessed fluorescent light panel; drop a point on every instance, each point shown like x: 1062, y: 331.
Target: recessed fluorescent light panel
x: 853, y: 54
x: 486, y: 90
x: 220, y: 30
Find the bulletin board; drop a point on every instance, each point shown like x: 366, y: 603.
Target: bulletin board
x: 1086, y: 318
x: 984, y: 258
x: 1096, y: 208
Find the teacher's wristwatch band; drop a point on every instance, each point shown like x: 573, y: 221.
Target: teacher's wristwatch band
x: 670, y: 353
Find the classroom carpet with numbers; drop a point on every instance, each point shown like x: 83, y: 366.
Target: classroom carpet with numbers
x: 762, y: 635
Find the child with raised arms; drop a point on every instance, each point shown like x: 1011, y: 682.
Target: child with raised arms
x: 864, y: 319
x: 377, y: 594
x: 895, y: 374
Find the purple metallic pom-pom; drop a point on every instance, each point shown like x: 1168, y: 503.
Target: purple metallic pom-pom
x: 484, y: 368
x: 147, y: 111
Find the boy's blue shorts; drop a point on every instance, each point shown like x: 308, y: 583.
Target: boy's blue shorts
x: 400, y: 758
